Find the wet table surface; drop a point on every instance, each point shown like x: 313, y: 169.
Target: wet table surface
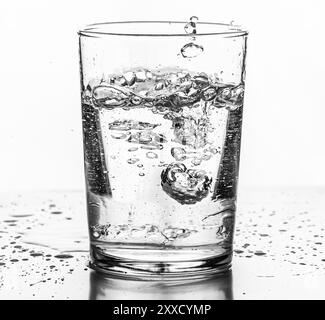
x: 279, y: 250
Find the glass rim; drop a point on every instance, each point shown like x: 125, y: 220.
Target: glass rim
x: 95, y: 30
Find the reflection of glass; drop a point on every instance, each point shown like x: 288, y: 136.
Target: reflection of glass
x: 162, y: 112
x: 214, y: 288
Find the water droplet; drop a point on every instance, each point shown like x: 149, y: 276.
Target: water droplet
x: 21, y: 215
x: 140, y: 165
x: 141, y: 174
x: 190, y: 27
x: 36, y: 254
x: 63, y: 256
x: 56, y: 212
x: 259, y: 253
x: 191, y: 50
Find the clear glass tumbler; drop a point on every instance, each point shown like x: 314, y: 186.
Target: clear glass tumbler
x: 162, y: 110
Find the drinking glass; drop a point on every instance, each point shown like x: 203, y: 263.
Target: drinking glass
x: 162, y: 107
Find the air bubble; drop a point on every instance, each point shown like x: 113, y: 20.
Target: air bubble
x: 152, y: 147
x: 130, y: 78
x: 140, y: 137
x: 151, y: 155
x: 160, y: 138
x: 109, y: 97
x: 171, y: 234
x: 209, y: 94
x: 132, y: 160
x: 119, y: 136
x: 160, y: 85
x: 196, y: 161
x: 178, y: 153
x: 141, y: 76
x: 136, y: 100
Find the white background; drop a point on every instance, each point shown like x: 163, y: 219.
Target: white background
x: 284, y: 115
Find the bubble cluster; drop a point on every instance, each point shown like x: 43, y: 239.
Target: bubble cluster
x: 164, y: 92
x: 172, y: 233
x: 98, y: 231
x: 127, y: 125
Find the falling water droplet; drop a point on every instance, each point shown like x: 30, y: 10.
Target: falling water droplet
x: 190, y: 27
x: 191, y: 50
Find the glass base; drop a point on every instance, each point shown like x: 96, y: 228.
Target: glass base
x: 173, y: 264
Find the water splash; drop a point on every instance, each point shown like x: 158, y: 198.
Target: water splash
x: 187, y: 186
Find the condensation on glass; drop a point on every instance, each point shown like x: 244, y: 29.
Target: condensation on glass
x: 162, y: 112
